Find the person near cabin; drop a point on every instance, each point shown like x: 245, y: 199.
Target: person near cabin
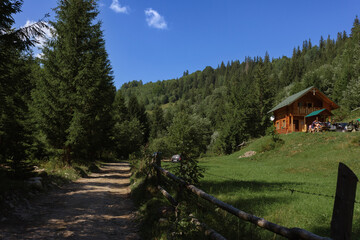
x: 328, y: 123
x: 356, y: 125
x: 312, y: 126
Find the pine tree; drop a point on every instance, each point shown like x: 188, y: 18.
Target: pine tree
x: 138, y: 111
x: 263, y: 96
x: 127, y: 134
x: 121, y: 112
x: 72, y: 101
x: 14, y: 91
x: 15, y: 85
x: 158, y: 126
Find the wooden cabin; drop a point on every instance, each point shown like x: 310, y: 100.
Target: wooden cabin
x: 298, y: 111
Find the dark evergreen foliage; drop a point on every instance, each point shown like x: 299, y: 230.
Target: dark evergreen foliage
x: 73, y: 98
x: 128, y: 132
x: 138, y: 111
x: 15, y: 85
x: 158, y: 125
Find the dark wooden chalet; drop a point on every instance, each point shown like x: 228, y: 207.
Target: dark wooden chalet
x: 298, y: 111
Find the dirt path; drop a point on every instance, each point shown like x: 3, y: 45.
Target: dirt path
x: 96, y: 207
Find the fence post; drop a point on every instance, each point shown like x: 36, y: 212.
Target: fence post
x: 158, y: 163
x: 341, y: 222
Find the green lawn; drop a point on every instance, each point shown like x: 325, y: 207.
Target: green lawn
x: 260, y: 184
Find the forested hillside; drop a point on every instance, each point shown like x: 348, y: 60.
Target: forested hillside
x: 235, y: 97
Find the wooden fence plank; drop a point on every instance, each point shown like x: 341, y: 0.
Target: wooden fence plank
x: 341, y: 223
x: 168, y: 196
x: 211, y: 233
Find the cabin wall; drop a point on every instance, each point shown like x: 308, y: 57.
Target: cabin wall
x: 281, y: 120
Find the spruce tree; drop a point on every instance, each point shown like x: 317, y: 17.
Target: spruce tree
x: 138, y: 111
x: 15, y: 84
x: 14, y: 89
x: 158, y: 123
x: 128, y: 132
x: 121, y: 112
x: 263, y: 96
x: 72, y: 101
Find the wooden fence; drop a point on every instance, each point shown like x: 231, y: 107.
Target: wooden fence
x: 341, y: 222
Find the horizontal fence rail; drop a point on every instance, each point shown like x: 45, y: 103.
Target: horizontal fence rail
x: 168, y: 196
x: 211, y: 233
x: 290, y: 233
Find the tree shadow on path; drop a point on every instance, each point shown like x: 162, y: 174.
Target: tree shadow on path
x: 97, y: 207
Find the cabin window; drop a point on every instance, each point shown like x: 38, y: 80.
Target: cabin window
x: 300, y: 104
x: 277, y: 125
x: 309, y: 105
x: 283, y: 124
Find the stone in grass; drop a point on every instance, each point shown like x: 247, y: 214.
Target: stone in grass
x: 248, y: 154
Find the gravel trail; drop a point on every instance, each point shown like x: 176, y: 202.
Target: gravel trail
x: 95, y: 207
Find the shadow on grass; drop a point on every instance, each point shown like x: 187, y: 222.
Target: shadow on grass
x: 230, y: 185
x: 236, y: 193
x: 230, y: 226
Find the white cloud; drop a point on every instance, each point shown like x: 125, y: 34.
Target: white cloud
x: 154, y: 19
x: 47, y: 33
x: 115, y: 5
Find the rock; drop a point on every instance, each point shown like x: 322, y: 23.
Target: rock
x: 248, y: 154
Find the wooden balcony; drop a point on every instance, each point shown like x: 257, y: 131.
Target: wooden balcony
x: 306, y: 110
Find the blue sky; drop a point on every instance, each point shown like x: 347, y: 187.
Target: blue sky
x: 152, y: 40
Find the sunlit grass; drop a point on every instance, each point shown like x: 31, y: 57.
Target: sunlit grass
x: 262, y: 184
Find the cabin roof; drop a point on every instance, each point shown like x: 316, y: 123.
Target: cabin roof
x: 296, y: 96
x: 291, y: 99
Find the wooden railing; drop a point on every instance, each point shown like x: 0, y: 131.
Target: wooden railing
x: 307, y: 110
x: 341, y: 222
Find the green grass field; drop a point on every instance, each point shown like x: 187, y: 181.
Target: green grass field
x: 261, y: 184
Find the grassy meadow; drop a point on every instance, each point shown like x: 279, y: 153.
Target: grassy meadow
x: 262, y: 184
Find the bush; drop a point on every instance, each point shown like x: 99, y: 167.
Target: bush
x: 189, y: 135
x: 160, y: 145
x: 274, y: 140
